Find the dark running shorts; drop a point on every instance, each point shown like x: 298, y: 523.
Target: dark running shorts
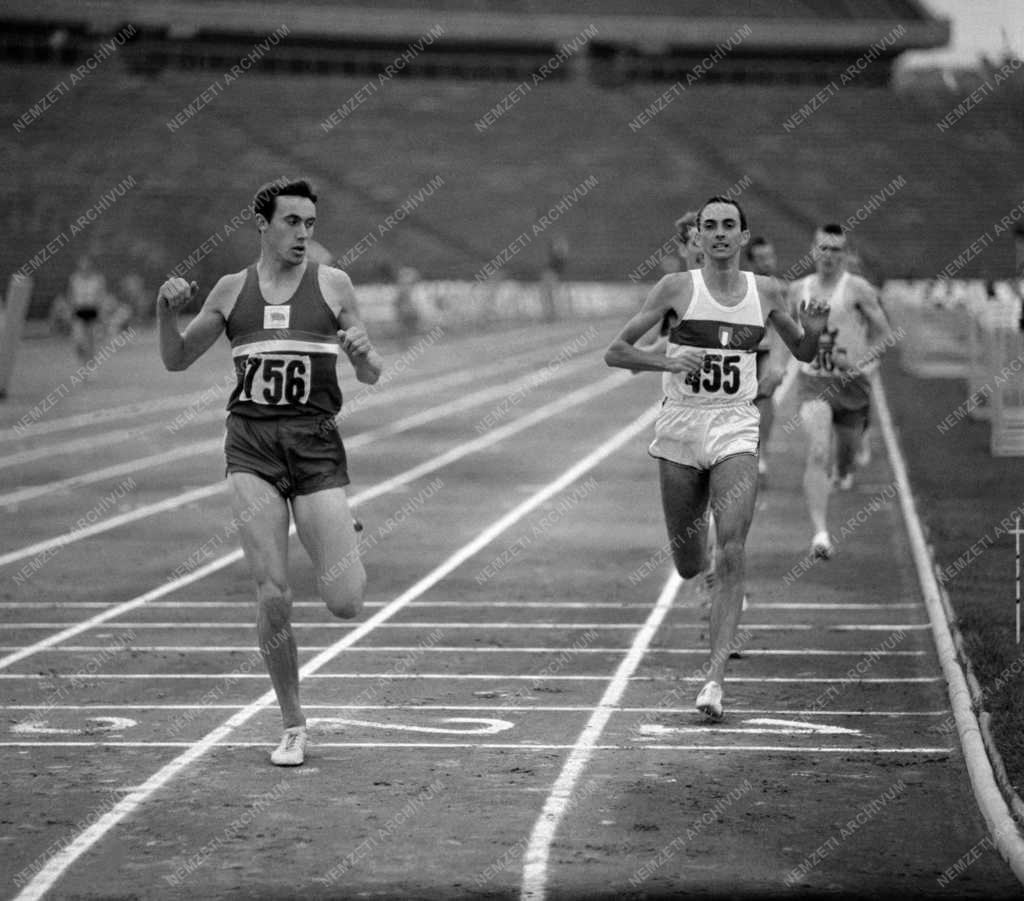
x: 87, y: 314
x: 296, y: 454
x: 850, y: 399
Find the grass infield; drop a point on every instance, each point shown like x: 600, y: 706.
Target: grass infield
x: 963, y: 495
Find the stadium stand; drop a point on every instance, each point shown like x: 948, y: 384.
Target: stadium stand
x: 498, y: 180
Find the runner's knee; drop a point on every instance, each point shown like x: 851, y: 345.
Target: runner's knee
x: 688, y: 562
x: 819, y: 455
x: 343, y: 593
x: 730, y: 555
x: 274, y: 599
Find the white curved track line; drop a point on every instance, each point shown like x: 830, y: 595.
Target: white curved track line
x: 493, y: 437
x: 535, y: 859
x: 993, y: 806
x: 58, y: 864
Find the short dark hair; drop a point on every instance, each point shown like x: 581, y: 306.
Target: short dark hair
x: 720, y: 198
x: 832, y: 228
x: 759, y: 241
x: 265, y: 201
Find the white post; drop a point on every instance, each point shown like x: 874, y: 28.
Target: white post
x: 19, y: 292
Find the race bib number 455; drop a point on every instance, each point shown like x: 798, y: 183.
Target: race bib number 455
x: 276, y: 379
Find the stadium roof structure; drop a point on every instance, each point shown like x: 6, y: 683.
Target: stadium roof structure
x: 647, y: 26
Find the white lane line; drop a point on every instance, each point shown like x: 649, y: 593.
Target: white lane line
x: 106, y: 414
x: 512, y: 708
x: 361, y: 401
x: 462, y: 649
x: 880, y: 608
x: 487, y: 677
x: 479, y: 605
x: 484, y: 746
x: 235, y: 555
x: 444, y: 378
x: 495, y: 436
x: 12, y: 498
x: 211, y: 445
x: 419, y: 605
x: 55, y: 867
x: 535, y: 858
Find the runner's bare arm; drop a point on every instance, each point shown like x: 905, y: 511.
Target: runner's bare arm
x: 179, y: 351
x: 341, y: 297
x: 880, y: 333
x: 801, y: 338
x: 672, y: 292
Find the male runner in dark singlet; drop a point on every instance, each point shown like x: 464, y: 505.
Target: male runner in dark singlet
x: 286, y: 318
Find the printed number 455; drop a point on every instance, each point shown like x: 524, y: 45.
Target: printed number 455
x: 719, y: 374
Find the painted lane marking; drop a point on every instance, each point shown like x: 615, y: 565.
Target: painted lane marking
x: 483, y: 726
x: 388, y: 485
x: 59, y: 863
x: 104, y: 724
x: 762, y: 726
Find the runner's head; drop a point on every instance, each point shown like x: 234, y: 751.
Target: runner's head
x: 722, y: 228
x: 285, y: 213
x: 829, y: 249
x: 761, y: 255
x: 690, y: 251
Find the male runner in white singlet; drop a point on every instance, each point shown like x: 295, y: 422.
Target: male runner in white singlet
x: 706, y: 437
x: 771, y: 353
x: 834, y: 390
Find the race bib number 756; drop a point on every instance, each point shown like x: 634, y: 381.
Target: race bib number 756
x: 276, y: 379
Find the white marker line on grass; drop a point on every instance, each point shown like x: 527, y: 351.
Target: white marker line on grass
x: 495, y: 436
x: 55, y: 867
x: 993, y: 805
x: 535, y: 858
x: 190, y: 450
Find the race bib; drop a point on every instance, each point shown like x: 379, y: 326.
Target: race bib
x: 718, y: 374
x: 276, y: 379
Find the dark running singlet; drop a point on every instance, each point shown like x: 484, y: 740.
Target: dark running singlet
x: 285, y: 355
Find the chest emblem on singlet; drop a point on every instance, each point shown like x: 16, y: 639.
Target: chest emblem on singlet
x: 724, y: 335
x: 277, y: 315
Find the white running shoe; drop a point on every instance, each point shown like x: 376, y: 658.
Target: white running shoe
x: 846, y: 482
x: 292, y: 750
x: 821, y: 546
x: 709, y: 701
x: 863, y: 456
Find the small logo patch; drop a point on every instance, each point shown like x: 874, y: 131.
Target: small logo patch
x: 276, y: 316
x: 724, y: 335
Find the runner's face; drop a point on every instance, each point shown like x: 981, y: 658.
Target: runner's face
x: 290, y: 228
x: 720, y: 234
x: 691, y: 251
x: 829, y: 253
x: 764, y: 259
